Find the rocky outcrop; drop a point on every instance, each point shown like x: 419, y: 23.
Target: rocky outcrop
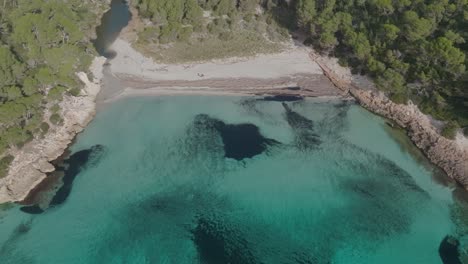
x: 449, y: 155
x: 32, y: 162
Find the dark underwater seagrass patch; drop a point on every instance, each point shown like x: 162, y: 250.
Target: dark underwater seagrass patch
x: 70, y: 168
x: 240, y: 141
x: 217, y: 242
x: 448, y: 250
x: 303, y: 128
x: 74, y: 165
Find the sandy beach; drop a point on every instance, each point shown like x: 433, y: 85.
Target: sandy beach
x: 293, y: 61
x: 291, y: 72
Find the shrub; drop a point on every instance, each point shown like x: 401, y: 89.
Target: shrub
x: 248, y: 18
x: 75, y: 91
x: 56, y: 93
x: 185, y: 34
x: 55, y: 108
x: 225, y: 36
x: 26, y: 137
x: 450, y: 129
x: 149, y: 34
x: 169, y: 33
x: 5, y: 165
x: 213, y: 29
x: 55, y: 119
x: 44, y: 128
x: 399, y: 98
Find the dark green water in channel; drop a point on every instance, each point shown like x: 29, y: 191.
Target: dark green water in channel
x: 112, y: 23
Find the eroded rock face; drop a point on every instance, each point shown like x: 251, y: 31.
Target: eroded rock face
x: 32, y: 162
x: 445, y: 153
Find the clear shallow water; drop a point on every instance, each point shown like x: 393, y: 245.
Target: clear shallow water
x: 331, y: 186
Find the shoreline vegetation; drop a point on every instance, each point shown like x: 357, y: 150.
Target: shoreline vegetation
x: 43, y: 44
x: 262, y: 74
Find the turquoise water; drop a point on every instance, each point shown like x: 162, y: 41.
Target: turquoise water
x: 328, y: 185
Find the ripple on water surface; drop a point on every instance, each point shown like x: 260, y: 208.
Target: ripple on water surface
x: 236, y: 180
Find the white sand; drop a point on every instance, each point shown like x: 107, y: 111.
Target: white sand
x: 294, y: 61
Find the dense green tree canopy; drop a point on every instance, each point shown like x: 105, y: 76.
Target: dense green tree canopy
x: 42, y: 44
x: 173, y: 17
x: 414, y: 49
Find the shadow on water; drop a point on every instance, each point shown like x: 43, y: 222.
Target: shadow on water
x: 112, y: 23
x: 70, y: 168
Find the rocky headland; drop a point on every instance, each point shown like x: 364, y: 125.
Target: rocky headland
x: 33, y: 161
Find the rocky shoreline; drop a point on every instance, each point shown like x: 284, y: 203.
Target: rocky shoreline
x: 443, y: 152
x: 33, y: 161
x: 450, y: 155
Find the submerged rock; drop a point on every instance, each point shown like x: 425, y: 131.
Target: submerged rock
x: 217, y: 243
x: 448, y: 250
x: 33, y: 209
x: 220, y: 238
x: 72, y: 167
x: 303, y: 128
x: 240, y: 141
x: 57, y: 192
